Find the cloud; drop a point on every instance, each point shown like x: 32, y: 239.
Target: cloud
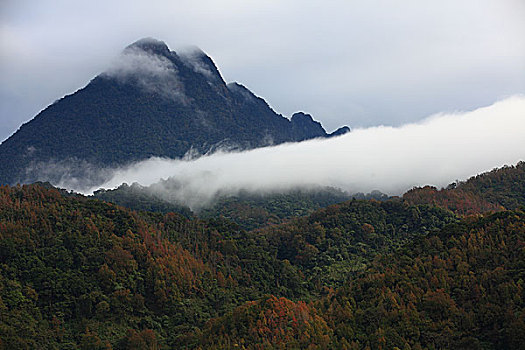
x: 436, y: 151
x: 69, y: 173
x: 193, y: 57
x: 152, y: 72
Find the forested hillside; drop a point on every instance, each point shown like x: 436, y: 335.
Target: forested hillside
x: 459, y: 288
x: 255, y: 210
x: 77, y: 272
x: 247, y: 209
x: 496, y: 190
x: 137, y: 197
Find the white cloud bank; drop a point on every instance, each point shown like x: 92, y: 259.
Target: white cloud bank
x: 437, y: 151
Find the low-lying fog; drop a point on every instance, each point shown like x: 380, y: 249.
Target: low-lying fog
x: 437, y: 151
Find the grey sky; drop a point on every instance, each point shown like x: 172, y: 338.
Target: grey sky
x: 346, y: 62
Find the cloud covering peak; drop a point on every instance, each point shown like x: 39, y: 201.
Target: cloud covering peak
x: 150, y: 44
x: 146, y: 64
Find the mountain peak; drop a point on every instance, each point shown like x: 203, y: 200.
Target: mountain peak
x: 305, y: 127
x: 341, y: 131
x: 151, y: 45
x: 301, y: 117
x: 150, y: 102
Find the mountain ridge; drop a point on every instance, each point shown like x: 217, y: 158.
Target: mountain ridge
x: 150, y: 102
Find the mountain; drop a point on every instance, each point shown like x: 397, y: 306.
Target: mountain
x: 249, y: 210
x: 150, y: 102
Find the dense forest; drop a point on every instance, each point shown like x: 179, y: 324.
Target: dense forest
x: 459, y: 288
x: 77, y: 272
x: 496, y: 190
x: 249, y: 210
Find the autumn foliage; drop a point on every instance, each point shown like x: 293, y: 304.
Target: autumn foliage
x: 488, y: 192
x: 81, y: 273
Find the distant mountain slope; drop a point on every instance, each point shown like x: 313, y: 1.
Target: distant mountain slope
x: 496, y: 190
x: 247, y: 209
x: 137, y: 197
x: 151, y: 102
x: 256, y: 210
x: 491, y: 191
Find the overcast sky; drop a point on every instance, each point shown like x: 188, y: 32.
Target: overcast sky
x: 346, y: 62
